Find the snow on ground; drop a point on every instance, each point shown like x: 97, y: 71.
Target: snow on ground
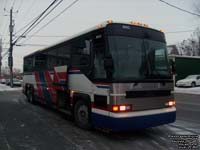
x: 194, y: 90
x: 4, y: 87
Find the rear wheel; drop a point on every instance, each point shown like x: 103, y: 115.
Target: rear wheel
x: 193, y: 84
x: 82, y: 115
x: 30, y: 95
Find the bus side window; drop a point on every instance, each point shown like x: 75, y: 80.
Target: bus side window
x: 80, y: 50
x: 28, y: 64
x: 63, y: 55
x: 40, y: 62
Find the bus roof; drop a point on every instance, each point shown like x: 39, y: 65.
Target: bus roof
x: 99, y: 26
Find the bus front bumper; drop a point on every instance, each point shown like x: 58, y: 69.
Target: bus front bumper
x: 134, y: 120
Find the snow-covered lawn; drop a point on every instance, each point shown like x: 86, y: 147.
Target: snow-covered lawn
x: 4, y: 87
x: 195, y: 90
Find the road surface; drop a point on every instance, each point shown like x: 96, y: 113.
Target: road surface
x: 24, y: 126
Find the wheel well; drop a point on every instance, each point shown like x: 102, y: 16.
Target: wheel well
x: 80, y: 96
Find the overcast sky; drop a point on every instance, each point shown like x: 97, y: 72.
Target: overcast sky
x: 88, y: 13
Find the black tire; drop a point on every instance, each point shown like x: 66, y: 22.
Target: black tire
x: 30, y: 95
x: 193, y: 84
x: 82, y: 115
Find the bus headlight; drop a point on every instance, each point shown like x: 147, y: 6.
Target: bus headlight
x: 171, y: 103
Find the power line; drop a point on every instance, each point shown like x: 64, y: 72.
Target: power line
x: 36, y: 20
x: 50, y: 36
x: 26, y: 25
x: 44, y: 36
x: 183, y: 31
x: 69, y: 6
x: 28, y: 44
x: 44, y: 17
x: 31, y: 45
x: 181, y: 9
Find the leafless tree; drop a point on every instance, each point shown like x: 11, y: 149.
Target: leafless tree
x: 191, y: 46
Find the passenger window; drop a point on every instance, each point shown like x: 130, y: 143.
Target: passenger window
x: 80, y: 52
x: 40, y: 62
x: 28, y: 64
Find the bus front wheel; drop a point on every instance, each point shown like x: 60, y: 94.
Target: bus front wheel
x: 82, y: 115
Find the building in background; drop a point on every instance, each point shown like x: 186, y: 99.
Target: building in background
x: 172, y: 50
x: 185, y: 65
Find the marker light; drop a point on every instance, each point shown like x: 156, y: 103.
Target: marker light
x: 121, y: 108
x: 161, y: 30
x: 171, y: 103
x: 139, y: 23
x: 109, y: 21
x: 146, y: 25
x: 132, y: 22
x: 100, y: 26
x: 115, y: 108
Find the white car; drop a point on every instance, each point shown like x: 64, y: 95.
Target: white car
x: 3, y: 81
x: 191, y: 80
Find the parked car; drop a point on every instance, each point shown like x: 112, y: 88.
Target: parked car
x: 3, y: 81
x: 189, y: 81
x: 16, y: 82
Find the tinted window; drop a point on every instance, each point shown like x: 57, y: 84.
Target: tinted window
x: 40, y: 62
x: 52, y: 58
x: 80, y: 50
x: 28, y: 64
x: 98, y: 49
x: 128, y: 57
x: 63, y: 55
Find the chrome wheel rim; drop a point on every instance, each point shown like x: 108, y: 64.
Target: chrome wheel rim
x: 83, y: 114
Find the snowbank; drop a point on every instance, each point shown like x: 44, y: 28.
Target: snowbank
x: 195, y: 90
x: 4, y: 87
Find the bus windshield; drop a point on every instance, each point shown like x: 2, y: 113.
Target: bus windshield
x: 136, y: 58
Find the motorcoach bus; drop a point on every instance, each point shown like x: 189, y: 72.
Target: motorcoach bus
x: 115, y: 76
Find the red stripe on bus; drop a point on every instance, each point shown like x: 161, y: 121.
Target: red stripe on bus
x: 62, y: 75
x: 38, y: 84
x: 49, y: 82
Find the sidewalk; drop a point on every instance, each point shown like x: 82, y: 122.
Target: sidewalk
x: 4, y: 87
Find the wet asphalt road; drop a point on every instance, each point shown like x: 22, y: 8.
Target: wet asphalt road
x: 24, y: 126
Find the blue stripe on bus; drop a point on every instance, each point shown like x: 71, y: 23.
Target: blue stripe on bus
x: 132, y: 123
x: 46, y: 93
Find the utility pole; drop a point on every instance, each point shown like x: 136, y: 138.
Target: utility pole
x: 0, y: 55
x: 10, y: 57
